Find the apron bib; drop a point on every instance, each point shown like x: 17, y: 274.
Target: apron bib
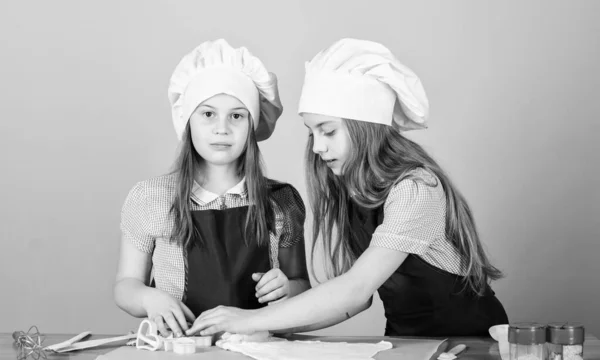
x: 220, y: 273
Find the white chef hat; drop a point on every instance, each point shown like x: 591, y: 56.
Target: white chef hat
x: 214, y: 67
x: 362, y: 80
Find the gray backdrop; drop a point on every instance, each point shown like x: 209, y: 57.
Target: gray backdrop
x: 513, y: 88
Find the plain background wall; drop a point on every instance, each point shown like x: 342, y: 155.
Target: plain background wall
x: 513, y: 89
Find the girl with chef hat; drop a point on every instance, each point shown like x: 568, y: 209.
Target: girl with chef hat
x: 215, y: 231
x: 389, y: 218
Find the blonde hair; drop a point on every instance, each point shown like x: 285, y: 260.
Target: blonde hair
x: 380, y: 157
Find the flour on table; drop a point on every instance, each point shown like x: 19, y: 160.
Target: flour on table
x: 270, y: 348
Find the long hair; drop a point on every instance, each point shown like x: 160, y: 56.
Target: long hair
x: 380, y: 157
x: 260, y: 218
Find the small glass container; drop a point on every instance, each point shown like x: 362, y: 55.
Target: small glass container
x: 527, y: 341
x: 565, y: 341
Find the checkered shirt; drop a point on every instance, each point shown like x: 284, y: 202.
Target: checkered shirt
x: 146, y: 222
x: 414, y: 221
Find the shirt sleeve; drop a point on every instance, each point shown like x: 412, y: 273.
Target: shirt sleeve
x: 135, y: 223
x: 413, y: 217
x: 293, y: 217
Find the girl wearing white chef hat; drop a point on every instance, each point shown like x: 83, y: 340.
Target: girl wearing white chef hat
x: 389, y: 217
x: 215, y: 231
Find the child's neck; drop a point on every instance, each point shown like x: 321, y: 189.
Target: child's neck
x: 217, y: 179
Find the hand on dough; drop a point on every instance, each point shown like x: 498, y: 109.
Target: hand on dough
x: 221, y: 319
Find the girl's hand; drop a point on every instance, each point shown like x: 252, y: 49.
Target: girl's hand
x: 223, y: 318
x: 272, y: 285
x: 163, y: 308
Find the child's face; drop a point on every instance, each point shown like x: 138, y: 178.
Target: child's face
x: 219, y: 129
x: 330, y: 139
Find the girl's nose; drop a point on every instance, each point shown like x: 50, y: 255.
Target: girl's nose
x: 318, y: 145
x: 221, y: 127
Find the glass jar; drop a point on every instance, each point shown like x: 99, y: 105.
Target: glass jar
x: 527, y: 341
x: 565, y: 341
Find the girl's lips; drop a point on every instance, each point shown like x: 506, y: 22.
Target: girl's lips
x: 220, y: 146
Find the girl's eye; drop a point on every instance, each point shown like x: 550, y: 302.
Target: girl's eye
x: 208, y: 114
x: 332, y: 132
x: 237, y: 116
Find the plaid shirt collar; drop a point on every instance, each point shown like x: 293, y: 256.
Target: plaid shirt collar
x: 203, y: 196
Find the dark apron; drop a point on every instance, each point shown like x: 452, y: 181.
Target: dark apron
x: 420, y: 299
x: 221, y: 272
